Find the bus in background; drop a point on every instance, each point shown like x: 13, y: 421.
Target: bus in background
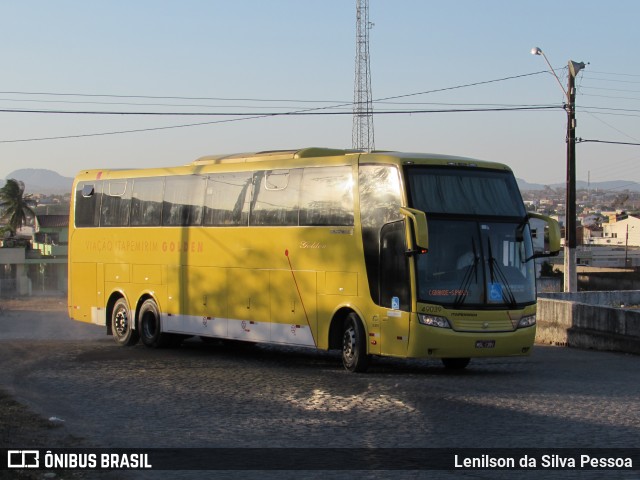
x: 374, y: 254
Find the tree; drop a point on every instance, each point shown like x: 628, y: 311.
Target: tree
x: 546, y: 270
x: 16, y: 206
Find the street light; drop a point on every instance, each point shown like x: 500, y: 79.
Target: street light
x: 538, y: 51
x: 570, y: 272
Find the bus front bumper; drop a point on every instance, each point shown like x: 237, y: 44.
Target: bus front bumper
x: 433, y: 342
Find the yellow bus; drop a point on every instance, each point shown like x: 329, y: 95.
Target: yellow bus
x: 374, y: 254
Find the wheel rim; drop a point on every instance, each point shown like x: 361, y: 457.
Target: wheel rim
x: 349, y: 344
x: 121, y: 322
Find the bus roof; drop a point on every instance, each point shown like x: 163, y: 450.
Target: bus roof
x: 377, y: 155
x: 298, y: 156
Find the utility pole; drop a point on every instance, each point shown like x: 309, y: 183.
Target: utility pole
x: 362, y: 132
x: 570, y: 270
x: 626, y: 247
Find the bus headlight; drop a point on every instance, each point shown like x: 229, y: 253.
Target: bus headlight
x: 527, y: 321
x: 433, y: 321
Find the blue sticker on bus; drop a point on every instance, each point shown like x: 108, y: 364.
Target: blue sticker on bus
x: 495, y: 292
x: 395, y: 303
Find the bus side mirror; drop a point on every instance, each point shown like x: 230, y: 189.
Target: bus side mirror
x: 420, y: 239
x: 546, y: 239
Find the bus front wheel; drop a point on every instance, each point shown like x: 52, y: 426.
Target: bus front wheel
x: 121, y: 325
x: 354, y: 346
x: 149, y: 326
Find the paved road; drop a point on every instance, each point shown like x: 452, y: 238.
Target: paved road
x: 217, y: 395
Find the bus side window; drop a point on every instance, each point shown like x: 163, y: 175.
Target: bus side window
x: 226, y: 199
x: 87, y: 206
x: 275, y: 198
x: 116, y: 203
x: 183, y: 198
x: 326, y: 196
x: 146, y: 202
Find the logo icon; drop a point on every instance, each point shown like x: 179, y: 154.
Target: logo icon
x: 23, y: 458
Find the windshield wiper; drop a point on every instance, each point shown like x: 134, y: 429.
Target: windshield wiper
x: 466, y: 279
x: 495, y: 271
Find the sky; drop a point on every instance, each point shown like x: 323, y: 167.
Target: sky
x: 261, y: 57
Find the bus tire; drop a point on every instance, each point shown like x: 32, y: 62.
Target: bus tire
x: 150, y: 328
x: 354, y: 345
x: 122, y: 326
x: 455, y: 363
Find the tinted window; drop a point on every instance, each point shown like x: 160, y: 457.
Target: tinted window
x: 116, y: 203
x: 394, y: 267
x: 464, y: 191
x: 275, y: 197
x: 327, y: 196
x: 87, y: 204
x: 146, y: 202
x: 183, y: 200
x: 380, y: 202
x: 226, y: 199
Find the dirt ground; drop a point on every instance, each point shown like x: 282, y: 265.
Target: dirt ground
x: 20, y: 427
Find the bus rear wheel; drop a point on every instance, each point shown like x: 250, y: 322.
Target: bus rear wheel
x: 354, y: 346
x: 455, y: 363
x: 122, y: 326
x: 150, y: 328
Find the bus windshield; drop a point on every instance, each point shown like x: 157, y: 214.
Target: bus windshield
x: 479, y: 240
x: 475, y: 263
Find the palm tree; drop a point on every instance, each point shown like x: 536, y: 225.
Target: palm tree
x: 16, y: 206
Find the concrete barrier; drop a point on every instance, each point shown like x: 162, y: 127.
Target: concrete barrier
x: 594, y: 320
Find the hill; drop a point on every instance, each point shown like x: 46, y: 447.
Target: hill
x: 40, y: 180
x: 615, y: 185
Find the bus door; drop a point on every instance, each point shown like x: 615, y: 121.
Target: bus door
x: 395, y: 289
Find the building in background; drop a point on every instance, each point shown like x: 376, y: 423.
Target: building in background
x: 35, y: 261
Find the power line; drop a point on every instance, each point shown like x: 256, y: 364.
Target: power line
x: 159, y: 97
x: 611, y: 126
x: 584, y: 87
x: 584, y: 140
x: 475, y: 84
x: 587, y: 107
x: 265, y: 115
x: 404, y: 112
x: 590, y: 72
x: 137, y: 104
x: 345, y: 104
x: 614, y: 97
x: 274, y: 114
x: 248, y: 99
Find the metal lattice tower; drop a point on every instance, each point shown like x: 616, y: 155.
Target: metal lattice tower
x: 362, y: 134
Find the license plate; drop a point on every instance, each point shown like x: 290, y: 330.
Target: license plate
x: 485, y: 343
